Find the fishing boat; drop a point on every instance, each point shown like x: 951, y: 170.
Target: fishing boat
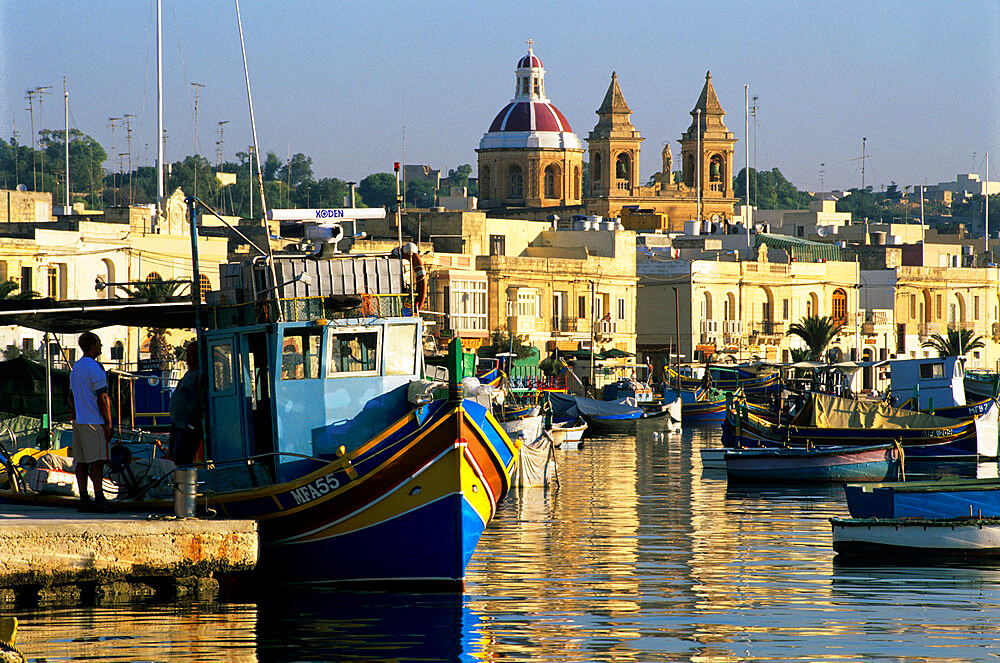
x: 830, y: 420
x: 727, y: 379
x: 826, y: 464
x: 314, y: 427
x: 944, y: 498
x: 601, y: 416
x: 869, y: 539
x: 568, y: 434
x: 698, y: 406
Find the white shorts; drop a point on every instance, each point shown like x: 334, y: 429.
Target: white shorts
x: 89, y: 444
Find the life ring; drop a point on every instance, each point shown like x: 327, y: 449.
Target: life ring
x: 419, y: 273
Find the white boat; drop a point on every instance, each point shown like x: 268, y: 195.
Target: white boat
x: 917, y: 537
x: 568, y: 434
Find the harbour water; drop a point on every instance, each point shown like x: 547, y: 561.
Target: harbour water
x: 637, y: 555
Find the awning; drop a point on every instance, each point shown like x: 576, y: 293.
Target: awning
x: 76, y: 316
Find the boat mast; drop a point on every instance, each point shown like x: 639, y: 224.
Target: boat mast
x: 746, y: 135
x: 159, y: 118
x: 66, y: 118
x: 986, y: 206
x: 260, y: 175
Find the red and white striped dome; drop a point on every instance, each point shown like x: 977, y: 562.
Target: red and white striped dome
x: 529, y: 120
x: 529, y: 61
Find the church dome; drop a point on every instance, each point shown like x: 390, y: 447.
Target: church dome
x: 530, y: 120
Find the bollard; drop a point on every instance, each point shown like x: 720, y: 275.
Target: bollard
x: 185, y: 492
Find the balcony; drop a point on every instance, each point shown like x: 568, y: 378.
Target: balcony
x: 564, y: 325
x: 521, y: 324
x: 925, y: 329
x: 767, y: 328
x: 709, y: 331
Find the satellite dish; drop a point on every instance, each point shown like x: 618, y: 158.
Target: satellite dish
x: 22, y: 188
x: 822, y: 231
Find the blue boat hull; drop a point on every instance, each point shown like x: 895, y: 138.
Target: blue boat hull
x: 960, y: 498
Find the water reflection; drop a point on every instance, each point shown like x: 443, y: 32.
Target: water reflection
x: 638, y: 554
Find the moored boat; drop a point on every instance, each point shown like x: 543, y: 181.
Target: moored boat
x: 944, y: 498
x: 830, y: 420
x: 926, y: 539
x: 826, y: 464
x: 568, y: 434
x: 313, y: 427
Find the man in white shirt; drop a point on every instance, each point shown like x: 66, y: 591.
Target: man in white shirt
x: 92, y: 425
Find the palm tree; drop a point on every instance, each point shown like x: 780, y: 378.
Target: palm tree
x: 12, y: 290
x: 957, y: 343
x: 816, y: 332
x: 159, y: 348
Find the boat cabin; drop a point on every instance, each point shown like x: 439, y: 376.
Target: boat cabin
x: 331, y: 372
x: 934, y: 381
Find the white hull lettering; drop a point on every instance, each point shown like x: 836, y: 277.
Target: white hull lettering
x: 315, y: 489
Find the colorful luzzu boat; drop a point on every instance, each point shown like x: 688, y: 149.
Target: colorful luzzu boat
x: 319, y: 425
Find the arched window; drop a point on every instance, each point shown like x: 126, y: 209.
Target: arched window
x: 730, y: 307
x: 205, y: 284
x: 576, y: 183
x: 839, y: 306
x: 153, y: 276
x: 595, y: 169
x: 812, y: 305
x: 706, y: 306
x: 484, y: 182
x: 515, y: 182
x: 689, y: 170
x: 552, y: 188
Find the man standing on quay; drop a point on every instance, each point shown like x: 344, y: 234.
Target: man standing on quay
x: 92, y: 425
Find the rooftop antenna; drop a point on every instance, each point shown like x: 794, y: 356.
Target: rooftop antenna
x: 222, y: 156
x: 822, y: 171
x: 114, y: 150
x: 31, y: 111
x: 753, y: 114
x: 128, y: 141
x: 746, y: 149
x: 864, y: 156
x: 41, y: 91
x: 66, y: 135
x: 197, y: 87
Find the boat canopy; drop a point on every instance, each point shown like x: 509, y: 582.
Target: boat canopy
x: 77, y: 316
x: 828, y: 411
x: 567, y: 405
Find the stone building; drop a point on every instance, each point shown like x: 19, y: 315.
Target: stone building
x: 71, y: 257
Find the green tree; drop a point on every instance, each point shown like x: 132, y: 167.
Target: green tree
x: 816, y: 332
x: 419, y: 193
x: 771, y: 190
x: 183, y: 174
x: 500, y: 342
x: 159, y: 349
x: 86, y: 159
x: 297, y: 171
x: 379, y: 190
x: 956, y: 343
x: 271, y: 166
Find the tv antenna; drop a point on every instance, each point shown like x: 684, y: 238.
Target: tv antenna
x: 197, y: 87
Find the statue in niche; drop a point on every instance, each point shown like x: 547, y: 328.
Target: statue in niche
x: 668, y: 162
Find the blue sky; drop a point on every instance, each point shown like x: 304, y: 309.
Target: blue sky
x: 338, y: 80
